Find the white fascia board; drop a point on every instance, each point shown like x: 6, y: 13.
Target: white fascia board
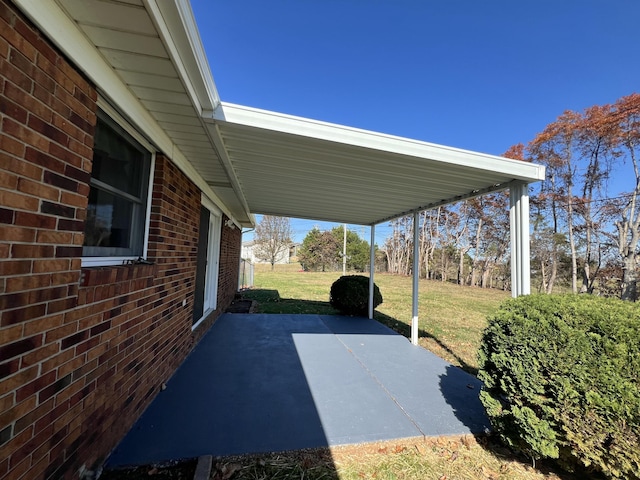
x: 252, y: 117
x: 64, y: 32
x: 179, y: 32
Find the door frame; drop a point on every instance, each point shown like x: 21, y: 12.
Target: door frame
x: 214, y: 237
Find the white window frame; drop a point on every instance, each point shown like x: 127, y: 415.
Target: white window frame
x: 112, y: 113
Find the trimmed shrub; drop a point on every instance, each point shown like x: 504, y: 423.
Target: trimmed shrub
x: 562, y: 380
x: 350, y: 295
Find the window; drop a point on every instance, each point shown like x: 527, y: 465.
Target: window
x: 117, y: 209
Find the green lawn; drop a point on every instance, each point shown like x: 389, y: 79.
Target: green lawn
x: 451, y: 318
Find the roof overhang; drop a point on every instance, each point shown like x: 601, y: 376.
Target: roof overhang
x: 292, y: 166
x: 147, y: 60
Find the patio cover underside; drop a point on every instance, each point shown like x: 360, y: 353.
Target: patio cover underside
x: 295, y: 167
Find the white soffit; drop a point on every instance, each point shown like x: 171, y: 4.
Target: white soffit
x: 146, y: 57
x: 297, y: 167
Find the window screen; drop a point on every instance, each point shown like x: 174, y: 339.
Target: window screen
x: 117, y: 200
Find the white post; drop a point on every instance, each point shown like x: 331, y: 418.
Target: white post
x: 372, y: 267
x: 520, y: 249
x: 416, y: 276
x: 344, y: 251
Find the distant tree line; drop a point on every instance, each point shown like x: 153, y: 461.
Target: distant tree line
x: 585, y: 214
x: 323, y: 250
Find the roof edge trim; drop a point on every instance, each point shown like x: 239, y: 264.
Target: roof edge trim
x: 177, y: 26
x: 300, y: 126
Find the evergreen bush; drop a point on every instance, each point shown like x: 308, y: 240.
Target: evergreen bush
x: 350, y: 295
x: 562, y: 380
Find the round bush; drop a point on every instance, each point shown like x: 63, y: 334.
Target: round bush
x: 350, y: 295
x: 562, y: 380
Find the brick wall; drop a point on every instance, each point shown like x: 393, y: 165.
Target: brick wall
x: 82, y: 351
x: 47, y: 118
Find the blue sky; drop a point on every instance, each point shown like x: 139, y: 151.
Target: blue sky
x: 476, y: 74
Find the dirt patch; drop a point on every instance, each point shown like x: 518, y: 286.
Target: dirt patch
x: 241, y: 306
x: 173, y: 470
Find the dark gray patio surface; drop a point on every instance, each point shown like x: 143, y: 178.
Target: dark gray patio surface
x: 259, y: 383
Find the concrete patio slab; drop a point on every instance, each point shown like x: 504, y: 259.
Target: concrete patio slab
x: 260, y: 383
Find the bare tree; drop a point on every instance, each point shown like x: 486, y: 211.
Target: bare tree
x: 627, y: 113
x: 272, y: 238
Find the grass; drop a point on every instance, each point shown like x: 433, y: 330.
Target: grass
x: 451, y: 321
x: 438, y: 459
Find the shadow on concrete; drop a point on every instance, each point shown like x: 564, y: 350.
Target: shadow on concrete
x: 240, y: 391
x: 455, y: 385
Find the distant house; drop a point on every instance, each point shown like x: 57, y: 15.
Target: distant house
x: 124, y: 186
x: 285, y: 256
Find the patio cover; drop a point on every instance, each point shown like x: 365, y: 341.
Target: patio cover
x: 149, y: 66
x: 297, y: 167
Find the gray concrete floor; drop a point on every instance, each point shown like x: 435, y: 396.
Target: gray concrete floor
x: 260, y: 383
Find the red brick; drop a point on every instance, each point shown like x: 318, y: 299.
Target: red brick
x: 4, y: 48
x: 53, y: 293
x: 58, y: 238
x: 50, y: 265
x: 60, y: 181
x: 32, y: 251
x: 35, y: 386
x: 84, y: 150
x: 11, y: 145
x: 48, y: 130
x: 73, y: 199
x: 45, y: 160
x: 12, y: 333
x: 19, y: 201
x: 74, y: 339
x: 63, y: 278
x: 12, y: 109
x: 61, y: 332
x: 11, y: 317
x: 31, y: 282
x: 15, y: 267
x: 24, y: 45
x: 40, y: 463
x: 18, y: 77
x: 20, y: 132
x: 58, y: 362
x: 15, y: 165
x: 8, y: 180
x: 6, y: 369
x: 25, y: 451
x: 19, y: 347
x: 10, y: 233
x: 22, y: 377
x: 43, y: 79
x: 22, y: 98
x: 40, y: 189
x: 40, y: 354
x: 62, y: 305
x: 42, y: 325
x: 7, y: 216
x: 26, y: 219
x: 57, y: 151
